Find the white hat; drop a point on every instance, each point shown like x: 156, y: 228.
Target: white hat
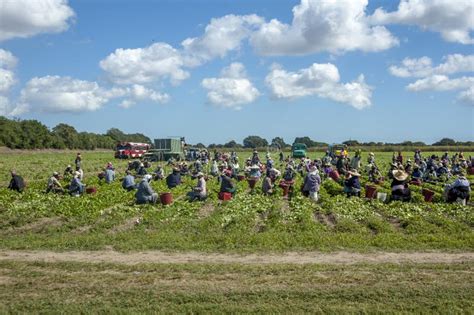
x: 199, y: 174
x: 147, y: 177
x: 76, y: 173
x: 55, y: 173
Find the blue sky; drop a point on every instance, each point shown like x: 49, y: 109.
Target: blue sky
x: 215, y: 71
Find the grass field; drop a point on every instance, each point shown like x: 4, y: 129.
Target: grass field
x: 250, y: 224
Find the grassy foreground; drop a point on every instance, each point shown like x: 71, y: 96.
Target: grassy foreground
x: 222, y: 288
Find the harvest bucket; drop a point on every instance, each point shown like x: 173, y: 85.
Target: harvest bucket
x: 91, y: 190
x: 166, y: 198
x: 334, y: 174
x: 240, y: 177
x: 225, y: 196
x: 252, y: 182
x: 381, y: 196
x: 428, y: 194
x: 370, y: 192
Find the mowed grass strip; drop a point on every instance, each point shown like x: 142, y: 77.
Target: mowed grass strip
x: 217, y: 288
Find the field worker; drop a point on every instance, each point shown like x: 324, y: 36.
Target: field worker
x: 400, y: 157
x: 409, y: 166
x: 400, y: 190
x: 352, y: 184
x: 417, y: 156
x: 289, y: 174
x: 227, y: 184
x: 198, y: 166
x: 109, y: 175
x: 200, y: 190
x: 159, y: 173
x: 255, y: 158
x: 128, y: 182
x: 341, y: 164
x: 417, y: 174
x: 267, y: 185
x: 269, y: 163
x: 173, y: 179
x: 54, y: 185
x: 214, y: 168
x: 141, y: 171
x: 76, y: 188
x: 374, y: 174
x: 234, y: 165
x: 78, y: 161
x: 311, y: 183
x: 355, y: 161
x: 282, y: 157
x: 145, y: 193
x: 371, y: 158
x: 81, y: 173
x: 459, y: 190
x: 68, y: 172
x: 16, y: 183
x: 255, y: 171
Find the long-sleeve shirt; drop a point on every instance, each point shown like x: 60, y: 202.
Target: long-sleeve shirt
x: 312, y: 182
x: 53, y: 182
x: 226, y: 184
x: 201, y: 187
x: 16, y: 183
x: 144, y: 192
x: 173, y: 180
x: 128, y: 181
x: 109, y: 175
x: 352, y: 182
x: 76, y: 186
x: 461, y: 181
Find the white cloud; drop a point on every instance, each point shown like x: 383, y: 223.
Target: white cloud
x: 144, y: 65
x: 232, y: 89
x: 422, y: 67
x: 321, y: 80
x: 64, y: 94
x: 467, y: 96
x: 4, y: 106
x: 7, y: 75
x: 334, y: 26
x: 25, y: 18
x: 441, y: 83
x: 453, y: 19
x: 140, y: 93
x: 221, y: 35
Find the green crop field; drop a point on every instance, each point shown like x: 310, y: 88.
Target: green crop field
x: 246, y: 225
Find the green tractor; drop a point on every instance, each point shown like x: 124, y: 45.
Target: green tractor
x: 166, y: 149
x: 298, y: 150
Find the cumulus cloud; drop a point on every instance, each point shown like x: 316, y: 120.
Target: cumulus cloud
x: 453, y: 19
x: 423, y: 66
x: 441, y: 83
x: 318, y: 80
x: 467, y: 96
x: 334, y: 26
x: 434, y: 78
x: 25, y: 18
x: 64, y: 94
x: 138, y: 93
x: 143, y: 65
x: 221, y: 36
x: 7, y: 75
x: 232, y: 89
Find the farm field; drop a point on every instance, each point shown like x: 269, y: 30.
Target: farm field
x: 59, y: 253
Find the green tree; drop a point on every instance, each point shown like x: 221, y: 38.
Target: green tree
x: 68, y: 135
x: 255, y: 142
x: 279, y: 142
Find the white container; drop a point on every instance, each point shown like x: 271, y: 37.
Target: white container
x: 381, y: 196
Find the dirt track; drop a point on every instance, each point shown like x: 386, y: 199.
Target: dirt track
x: 196, y: 257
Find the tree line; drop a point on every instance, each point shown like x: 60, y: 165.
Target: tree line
x: 251, y: 142
x: 32, y: 134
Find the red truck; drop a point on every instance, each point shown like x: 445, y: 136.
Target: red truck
x: 127, y: 150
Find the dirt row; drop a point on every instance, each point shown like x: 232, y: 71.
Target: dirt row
x: 341, y: 257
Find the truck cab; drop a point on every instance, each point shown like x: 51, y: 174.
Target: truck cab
x: 298, y: 150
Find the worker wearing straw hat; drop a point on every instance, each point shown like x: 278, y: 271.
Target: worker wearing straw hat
x: 352, y: 183
x: 400, y: 189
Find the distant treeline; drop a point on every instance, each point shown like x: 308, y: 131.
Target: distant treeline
x: 251, y: 142
x: 32, y: 134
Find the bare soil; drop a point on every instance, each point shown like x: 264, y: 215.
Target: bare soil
x: 344, y: 258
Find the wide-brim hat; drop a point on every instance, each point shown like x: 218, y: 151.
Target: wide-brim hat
x: 399, y: 175
x: 76, y: 173
x: 354, y: 173
x: 147, y: 177
x: 199, y: 174
x: 55, y: 173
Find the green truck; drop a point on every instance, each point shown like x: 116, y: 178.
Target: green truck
x: 298, y: 150
x: 166, y: 148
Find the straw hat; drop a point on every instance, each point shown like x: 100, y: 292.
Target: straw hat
x: 399, y: 175
x: 199, y: 174
x: 55, y: 173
